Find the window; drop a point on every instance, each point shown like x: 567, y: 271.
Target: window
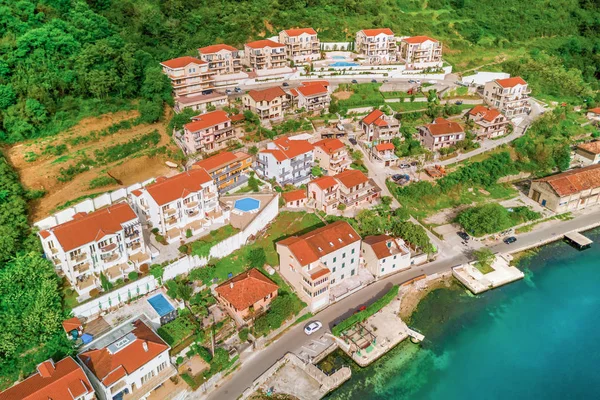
x: 147, y: 377
x: 343, y: 265
x: 352, y: 272
x: 334, y: 259
x: 394, y: 257
x: 333, y: 269
x: 352, y: 261
x: 343, y: 255
x: 342, y: 277
x: 383, y: 261
x: 382, y: 269
x: 353, y: 251
x: 161, y: 366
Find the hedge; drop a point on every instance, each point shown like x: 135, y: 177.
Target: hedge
x: 370, y: 310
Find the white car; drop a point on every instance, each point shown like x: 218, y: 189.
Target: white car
x: 312, y: 327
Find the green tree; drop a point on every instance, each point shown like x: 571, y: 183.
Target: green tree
x: 257, y: 257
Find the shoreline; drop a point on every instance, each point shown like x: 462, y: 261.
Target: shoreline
x: 411, y: 295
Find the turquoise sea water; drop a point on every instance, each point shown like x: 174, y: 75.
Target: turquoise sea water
x: 538, y: 338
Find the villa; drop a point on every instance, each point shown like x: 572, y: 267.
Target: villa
x: 188, y: 75
x: 332, y: 156
x: 323, y: 194
x: 384, y: 255
x: 265, y: 54
x: 385, y: 153
x: 510, y: 96
x: 421, y: 52
x: 313, y: 97
x: 489, y: 122
x: 440, y: 133
x: 380, y: 127
x: 286, y: 160
x: 355, y: 188
x: 201, y: 102
x: 107, y: 241
x: 593, y: 114
x: 589, y: 153
x: 377, y: 46
x: 208, y: 132
x: 295, y: 199
x: 268, y: 104
x: 301, y: 45
x: 228, y: 169
x: 222, y: 59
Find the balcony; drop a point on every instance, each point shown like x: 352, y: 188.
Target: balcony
x: 169, y: 211
x: 112, y: 258
x: 53, y: 250
x: 79, y: 257
x: 190, y: 204
x: 171, y: 221
x: 151, y: 384
x: 81, y: 268
x: 108, y: 248
x: 86, y: 283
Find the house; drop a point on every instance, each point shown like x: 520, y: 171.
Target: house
x: 589, y: 153
x: 489, y: 122
x: 313, y: 97
x: 107, y: 241
x: 301, y: 45
x: 268, y: 104
x: 380, y: 127
x: 385, y: 153
x: 265, y: 54
x: 510, y: 96
x: 287, y: 161
x: 421, y: 52
x: 73, y: 328
x: 188, y: 75
x: 332, y: 156
x: 377, y: 46
x: 208, y: 132
x: 355, y: 188
x: 593, y: 114
x: 323, y: 194
x: 247, y: 295
x: 384, y: 255
x: 295, y: 199
x: 440, y: 133
x: 186, y: 201
x: 228, y: 169
x: 201, y: 102
x: 569, y: 190
x: 63, y: 380
x: 316, y: 261
x: 222, y: 59
x: 128, y: 362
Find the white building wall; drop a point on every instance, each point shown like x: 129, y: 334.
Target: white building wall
x: 342, y: 262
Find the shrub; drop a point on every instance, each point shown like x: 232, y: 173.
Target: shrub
x: 243, y: 334
x: 101, y: 181
x: 204, y: 353
x: 183, y: 248
x: 179, y: 360
x: 341, y: 207
x: 105, y: 283
x: 133, y: 275
x: 188, y: 233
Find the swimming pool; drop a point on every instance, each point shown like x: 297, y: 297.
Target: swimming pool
x: 161, y: 305
x: 338, y: 57
x: 344, y: 64
x: 247, y: 204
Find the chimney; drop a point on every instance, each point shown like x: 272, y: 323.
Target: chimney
x: 145, y: 346
x: 46, y: 369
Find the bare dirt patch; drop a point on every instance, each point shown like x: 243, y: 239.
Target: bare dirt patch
x: 343, y: 94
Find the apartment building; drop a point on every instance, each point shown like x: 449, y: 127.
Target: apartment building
x: 323, y: 194
x: 377, y: 46
x: 208, y: 132
x: 332, y: 156
x: 228, y: 169
x: 384, y: 255
x: 186, y: 201
x: 63, y: 380
x: 265, y: 54
x: 421, y: 52
x: 380, y: 127
x: 301, y: 45
x: 510, y: 96
x: 589, y: 153
x: 127, y: 363
x: 318, y: 260
x: 201, y: 102
x: 295, y: 199
x: 313, y: 96
x: 246, y: 296
x: 385, y: 153
x: 593, y: 114
x: 268, y: 104
x: 567, y: 191
x: 488, y: 122
x: 440, y: 133
x: 356, y: 188
x: 222, y: 59
x: 107, y: 241
x: 287, y: 161
x: 188, y: 75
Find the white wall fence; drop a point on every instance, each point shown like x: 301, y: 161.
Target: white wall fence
x: 335, y: 46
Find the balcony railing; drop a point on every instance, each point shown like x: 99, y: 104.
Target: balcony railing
x: 79, y: 257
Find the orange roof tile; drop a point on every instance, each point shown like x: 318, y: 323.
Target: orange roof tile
x: 488, y: 114
x: 595, y: 110
x: 259, y: 44
x: 109, y: 368
x: 87, y: 228
x: 330, y: 146
x: 379, y: 244
x: 592, y: 147
x: 293, y: 148
x: 71, y: 324
x: 511, y: 82
x: 166, y: 190
x: 294, y: 195
x: 216, y: 48
x: 324, y: 182
x: 351, y: 177
x: 443, y: 126
x: 299, y: 31
x: 207, y: 120
x: 221, y: 160
x: 237, y: 117
x: 64, y: 380
x: 266, y: 94
x: 384, y: 146
x: 321, y: 272
x: 312, y: 89
x: 182, y: 62
x: 294, y: 92
x: 136, y: 192
x: 375, y: 117
x: 418, y: 39
x: 574, y: 181
x: 248, y: 288
x: 315, y: 244
x: 316, y: 82
x: 44, y: 234
x: 375, y: 32
x: 278, y: 154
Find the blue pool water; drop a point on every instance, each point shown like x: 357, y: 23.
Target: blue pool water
x: 160, y: 304
x: 247, y: 204
x: 343, y: 64
x: 338, y: 57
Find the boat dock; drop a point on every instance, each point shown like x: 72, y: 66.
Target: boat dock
x: 578, y: 240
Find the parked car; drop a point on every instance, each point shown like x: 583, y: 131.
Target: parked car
x: 411, y: 81
x: 373, y: 80
x: 209, y: 91
x: 312, y: 327
x: 404, y: 165
x: 418, y: 81
x: 359, y: 309
x: 463, y: 235
x: 414, y: 163
x: 510, y: 239
x: 238, y: 90
x: 353, y: 141
x: 432, y: 82
x: 228, y: 91
x: 354, y: 81
x: 397, y: 177
x: 285, y: 84
x: 458, y: 102
x: 385, y: 81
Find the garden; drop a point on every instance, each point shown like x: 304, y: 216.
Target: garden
x: 492, y: 218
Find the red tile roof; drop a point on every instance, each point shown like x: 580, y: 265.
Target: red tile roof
x: 324, y: 182
x: 248, y: 288
x: 375, y: 32
x: 592, y: 147
x: 207, y: 120
x: 488, y: 114
x: 266, y: 94
x: 376, y: 117
x: 313, y: 245
x: 443, y: 126
x: 295, y: 195
x: 330, y: 146
x: 321, y: 272
x: 312, y: 89
x: 65, y: 380
x: 595, y: 110
x: 182, y: 62
x: 294, y: 92
x: 87, y: 228
x: 299, y: 31
x: 221, y: 160
x: 278, y: 154
x: 237, y: 117
x: 44, y: 234
x: 511, y: 82
x: 418, y: 39
x: 71, y: 324
x: 351, y: 177
x: 384, y: 146
x: 316, y: 82
x: 166, y: 190
x: 109, y: 368
x: 259, y: 44
x: 379, y: 245
x: 215, y: 48
x: 293, y: 148
x: 574, y: 181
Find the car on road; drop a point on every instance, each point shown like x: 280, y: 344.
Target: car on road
x: 353, y: 141
x: 411, y: 81
x: 510, y: 239
x: 404, y: 165
x: 418, y: 81
x: 373, y: 80
x: 397, y: 177
x: 359, y: 309
x: 432, y: 82
x: 354, y: 81
x: 285, y: 84
x: 458, y: 102
x: 228, y: 91
x: 463, y: 235
x: 385, y: 81
x: 312, y: 327
x: 238, y: 90
x: 209, y: 91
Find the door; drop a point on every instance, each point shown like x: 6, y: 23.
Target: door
x: 543, y: 202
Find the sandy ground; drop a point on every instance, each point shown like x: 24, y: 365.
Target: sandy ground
x: 43, y: 172
x: 342, y: 94
x: 413, y: 294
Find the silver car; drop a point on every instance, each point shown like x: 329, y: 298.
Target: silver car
x: 312, y: 327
